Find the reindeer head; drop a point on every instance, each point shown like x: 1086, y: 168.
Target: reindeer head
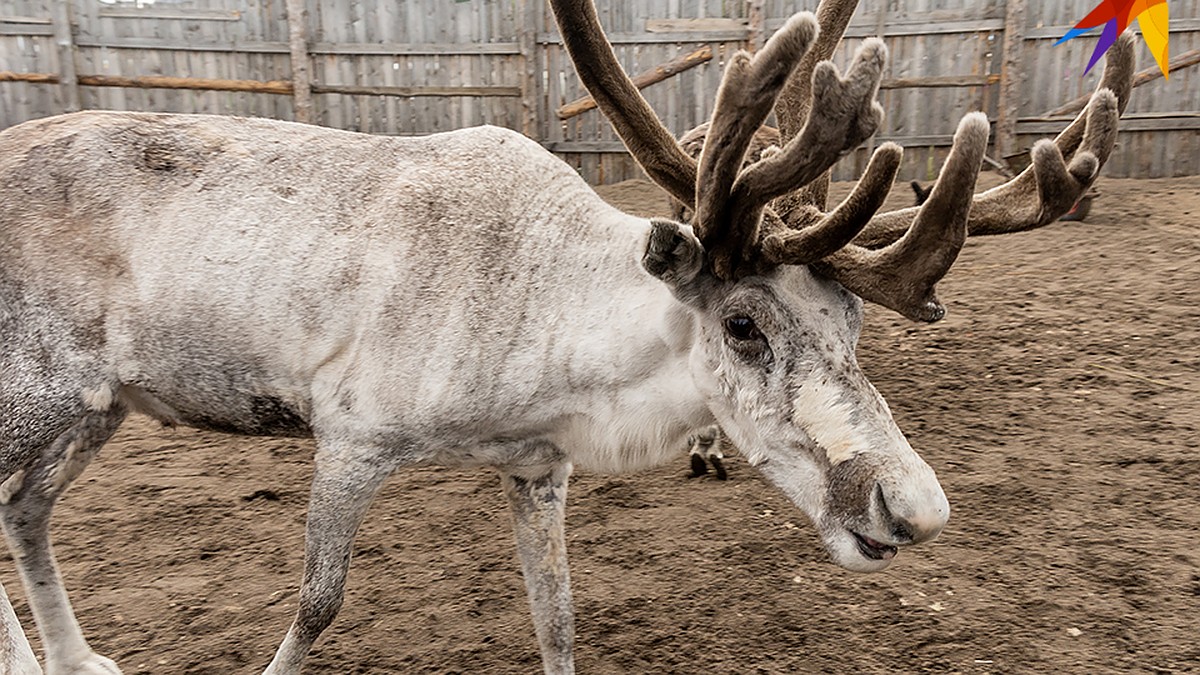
x: 776, y: 283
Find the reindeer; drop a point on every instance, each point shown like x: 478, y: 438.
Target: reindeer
x: 465, y: 299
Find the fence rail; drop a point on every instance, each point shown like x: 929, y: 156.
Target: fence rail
x: 420, y: 66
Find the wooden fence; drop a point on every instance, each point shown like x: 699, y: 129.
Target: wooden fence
x: 421, y: 66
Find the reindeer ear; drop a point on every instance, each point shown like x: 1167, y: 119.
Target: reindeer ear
x: 675, y: 255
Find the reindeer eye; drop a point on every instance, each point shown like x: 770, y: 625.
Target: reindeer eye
x: 742, y: 328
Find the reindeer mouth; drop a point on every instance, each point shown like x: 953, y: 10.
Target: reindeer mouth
x: 873, y: 549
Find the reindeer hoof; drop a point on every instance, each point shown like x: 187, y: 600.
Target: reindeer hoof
x: 699, y: 468
x: 94, y: 664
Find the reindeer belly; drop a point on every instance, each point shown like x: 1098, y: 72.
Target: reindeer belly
x: 212, y: 377
x: 234, y: 412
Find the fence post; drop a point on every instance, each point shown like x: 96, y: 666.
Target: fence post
x: 1011, y: 76
x: 528, y: 22
x: 756, y: 24
x: 297, y: 19
x: 64, y: 37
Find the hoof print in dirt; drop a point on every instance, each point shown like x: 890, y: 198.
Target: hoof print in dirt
x: 265, y: 495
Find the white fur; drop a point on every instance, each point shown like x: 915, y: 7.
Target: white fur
x: 818, y: 409
x: 11, y: 486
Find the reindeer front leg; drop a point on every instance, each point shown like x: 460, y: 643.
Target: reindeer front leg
x: 346, y: 479
x: 539, y: 510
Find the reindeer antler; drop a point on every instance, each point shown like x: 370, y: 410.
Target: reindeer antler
x: 648, y: 141
x: 770, y: 213
x: 730, y: 204
x: 1061, y: 171
x: 906, y: 281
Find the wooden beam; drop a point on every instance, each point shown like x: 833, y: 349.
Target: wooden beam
x: 35, y: 78
x: 415, y: 49
x: 26, y: 20
x: 408, y: 92
x: 940, y: 81
x: 64, y: 38
x: 267, y: 47
x: 297, y: 21
x: 658, y: 38
x: 1011, y: 76
x: 279, y: 87
x: 26, y: 30
x: 1129, y: 122
x: 616, y: 147
x: 1176, y: 26
x: 705, y: 25
x: 1184, y: 60
x: 154, y: 13
x: 165, y: 82
x: 644, y: 79
x: 928, y: 24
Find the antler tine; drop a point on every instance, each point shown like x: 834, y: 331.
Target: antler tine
x: 795, y: 101
x: 1117, y: 77
x: 844, y: 114
x: 746, y: 96
x: 793, y: 105
x: 904, y: 275
x: 787, y: 246
x: 1051, y: 185
x: 652, y: 146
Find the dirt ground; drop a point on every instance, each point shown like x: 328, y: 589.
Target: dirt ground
x: 1057, y: 402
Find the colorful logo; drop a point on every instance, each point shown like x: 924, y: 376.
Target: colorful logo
x: 1152, y: 17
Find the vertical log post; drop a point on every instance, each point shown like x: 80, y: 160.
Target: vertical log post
x: 64, y: 37
x: 1011, y: 76
x: 297, y: 19
x: 528, y: 25
x: 756, y: 24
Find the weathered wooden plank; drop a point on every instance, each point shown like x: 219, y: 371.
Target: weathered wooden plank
x: 424, y: 91
x: 173, y: 45
x: 1155, y: 122
x: 25, y: 19
x: 1176, y: 26
x: 448, y: 49
x: 23, y: 29
x: 609, y: 147
x: 705, y: 25
x: 349, y: 48
x: 925, y: 28
x: 965, y: 23
x: 658, y: 38
x: 940, y: 81
x: 155, y: 13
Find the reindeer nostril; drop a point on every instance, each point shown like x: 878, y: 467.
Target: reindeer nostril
x: 905, y: 529
x: 902, y: 531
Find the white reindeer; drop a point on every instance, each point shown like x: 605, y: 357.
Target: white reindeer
x: 464, y: 299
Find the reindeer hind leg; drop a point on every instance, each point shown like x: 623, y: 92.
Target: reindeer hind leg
x: 41, y: 397
x: 26, y: 502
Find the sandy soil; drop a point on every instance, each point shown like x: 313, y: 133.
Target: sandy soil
x: 1057, y: 401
